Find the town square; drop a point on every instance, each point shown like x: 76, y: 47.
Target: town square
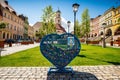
x: 59, y: 40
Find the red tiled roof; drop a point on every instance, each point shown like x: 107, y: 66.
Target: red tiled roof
x: 59, y: 27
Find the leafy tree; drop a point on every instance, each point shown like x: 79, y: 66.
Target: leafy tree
x: 3, y: 25
x: 86, y: 23
x: 77, y: 29
x: 26, y: 25
x: 48, y: 25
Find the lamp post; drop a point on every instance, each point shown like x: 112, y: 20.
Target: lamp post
x: 68, y: 23
x: 104, y: 44
x: 75, y: 9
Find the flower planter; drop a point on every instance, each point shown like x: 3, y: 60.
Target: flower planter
x: 24, y: 43
x: 1, y: 44
x: 10, y: 44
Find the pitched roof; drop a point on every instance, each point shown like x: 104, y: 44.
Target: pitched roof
x: 37, y: 25
x: 59, y: 27
x: 5, y: 4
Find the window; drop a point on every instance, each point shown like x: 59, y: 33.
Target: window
x: 110, y: 21
x: 15, y: 28
x: 111, y: 14
x: 11, y: 26
x: 115, y: 21
x: 7, y: 26
x: 4, y: 35
x: 11, y: 17
x: 58, y: 15
x: 7, y: 35
x: 58, y: 21
x: 115, y: 13
x: 4, y: 14
x: 8, y: 16
x: 119, y: 11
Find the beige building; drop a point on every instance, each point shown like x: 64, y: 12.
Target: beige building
x: 36, y: 28
x: 94, y: 26
x: 15, y: 28
x: 30, y: 32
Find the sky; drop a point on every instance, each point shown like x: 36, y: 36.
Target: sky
x: 33, y: 9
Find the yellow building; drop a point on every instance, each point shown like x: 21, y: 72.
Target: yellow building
x: 116, y: 23
x: 112, y: 29
x: 111, y: 17
x: 109, y: 21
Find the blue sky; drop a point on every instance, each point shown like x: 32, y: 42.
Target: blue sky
x: 33, y: 8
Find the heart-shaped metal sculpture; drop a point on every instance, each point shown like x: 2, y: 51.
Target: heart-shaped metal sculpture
x: 60, y: 50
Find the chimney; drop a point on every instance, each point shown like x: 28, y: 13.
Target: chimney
x: 6, y: 2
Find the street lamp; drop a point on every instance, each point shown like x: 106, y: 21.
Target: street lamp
x: 68, y: 23
x: 104, y: 44
x: 75, y: 9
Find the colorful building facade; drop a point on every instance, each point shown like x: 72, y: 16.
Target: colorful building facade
x: 116, y: 23
x: 112, y: 29
x: 15, y: 28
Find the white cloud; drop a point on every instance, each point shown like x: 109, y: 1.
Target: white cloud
x: 31, y: 24
x: 64, y: 24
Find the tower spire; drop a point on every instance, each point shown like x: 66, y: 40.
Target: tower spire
x: 58, y: 17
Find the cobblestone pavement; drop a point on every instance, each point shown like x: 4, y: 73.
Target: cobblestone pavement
x: 109, y: 72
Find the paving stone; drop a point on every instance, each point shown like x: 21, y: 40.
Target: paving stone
x: 109, y: 72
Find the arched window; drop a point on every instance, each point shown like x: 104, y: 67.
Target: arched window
x: 7, y: 35
x: 4, y: 35
x: 109, y: 32
x: 95, y: 34
x: 101, y: 33
x: 117, y: 32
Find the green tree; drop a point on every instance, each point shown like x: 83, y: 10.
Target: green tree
x: 3, y: 25
x: 48, y: 25
x: 77, y: 29
x: 85, y: 23
x: 81, y: 34
x: 26, y: 25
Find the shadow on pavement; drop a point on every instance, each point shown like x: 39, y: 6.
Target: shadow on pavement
x: 69, y: 76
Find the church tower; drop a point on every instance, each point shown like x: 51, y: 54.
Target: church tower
x: 58, y: 17
x: 59, y: 28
